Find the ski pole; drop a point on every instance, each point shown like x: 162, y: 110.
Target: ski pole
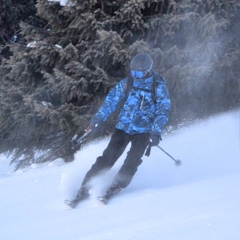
x: 177, y: 162
x: 76, y: 140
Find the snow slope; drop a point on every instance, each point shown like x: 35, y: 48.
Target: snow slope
x: 199, y: 200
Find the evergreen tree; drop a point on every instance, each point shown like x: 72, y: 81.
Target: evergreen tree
x: 73, y: 56
x: 11, y: 13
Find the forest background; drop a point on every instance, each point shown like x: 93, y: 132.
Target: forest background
x: 57, y: 64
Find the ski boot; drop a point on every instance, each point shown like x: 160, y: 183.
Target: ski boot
x: 113, y: 190
x: 82, y: 195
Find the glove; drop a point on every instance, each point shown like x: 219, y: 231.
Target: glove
x: 155, y: 138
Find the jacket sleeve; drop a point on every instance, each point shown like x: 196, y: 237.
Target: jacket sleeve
x: 111, y: 103
x: 163, y: 106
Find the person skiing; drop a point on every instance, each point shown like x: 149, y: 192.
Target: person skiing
x: 145, y: 110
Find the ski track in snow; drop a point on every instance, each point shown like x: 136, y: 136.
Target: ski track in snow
x: 199, y: 200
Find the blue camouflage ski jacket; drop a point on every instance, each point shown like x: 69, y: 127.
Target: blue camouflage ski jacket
x: 142, y: 110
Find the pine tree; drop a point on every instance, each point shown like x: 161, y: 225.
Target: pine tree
x: 11, y: 13
x: 70, y: 57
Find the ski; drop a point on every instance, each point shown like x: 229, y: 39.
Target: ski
x: 73, y: 203
x: 83, y: 194
x: 112, y: 191
x: 103, y: 200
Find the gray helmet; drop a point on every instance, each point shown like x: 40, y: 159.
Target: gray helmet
x: 141, y: 62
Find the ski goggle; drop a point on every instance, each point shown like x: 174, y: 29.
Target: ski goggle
x: 138, y: 74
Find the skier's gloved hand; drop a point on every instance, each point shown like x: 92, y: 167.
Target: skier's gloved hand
x: 155, y: 138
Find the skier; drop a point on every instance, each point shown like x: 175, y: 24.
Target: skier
x: 143, y: 115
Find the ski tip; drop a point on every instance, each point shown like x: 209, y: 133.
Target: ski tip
x: 71, y: 204
x: 103, y: 200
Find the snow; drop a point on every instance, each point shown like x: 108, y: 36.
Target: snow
x: 199, y: 200
x: 62, y: 2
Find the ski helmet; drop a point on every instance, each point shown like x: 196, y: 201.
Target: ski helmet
x: 141, y: 62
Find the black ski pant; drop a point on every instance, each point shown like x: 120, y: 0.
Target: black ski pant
x: 118, y: 143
